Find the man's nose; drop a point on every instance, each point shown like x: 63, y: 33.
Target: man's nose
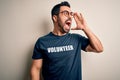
x: 70, y: 16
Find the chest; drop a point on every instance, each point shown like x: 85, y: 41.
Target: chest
x: 59, y: 49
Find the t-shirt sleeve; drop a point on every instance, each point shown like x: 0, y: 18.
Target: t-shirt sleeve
x: 37, y: 52
x: 84, y: 42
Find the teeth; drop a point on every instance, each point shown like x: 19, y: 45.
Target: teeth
x: 68, y: 22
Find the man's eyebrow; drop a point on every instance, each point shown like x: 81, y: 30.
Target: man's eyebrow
x: 66, y: 10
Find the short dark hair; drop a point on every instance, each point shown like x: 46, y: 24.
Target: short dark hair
x: 55, y: 10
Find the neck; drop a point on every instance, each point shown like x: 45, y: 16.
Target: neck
x: 57, y: 31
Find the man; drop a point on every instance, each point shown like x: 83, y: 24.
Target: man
x: 58, y: 53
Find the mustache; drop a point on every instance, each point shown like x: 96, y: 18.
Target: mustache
x: 69, y: 19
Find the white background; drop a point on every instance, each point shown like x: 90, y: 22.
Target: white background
x: 23, y: 21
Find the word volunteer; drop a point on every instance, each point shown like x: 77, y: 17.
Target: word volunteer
x: 60, y: 49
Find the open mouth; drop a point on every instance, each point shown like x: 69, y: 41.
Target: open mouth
x: 68, y: 23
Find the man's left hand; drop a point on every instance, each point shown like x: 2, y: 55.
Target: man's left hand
x: 80, y: 22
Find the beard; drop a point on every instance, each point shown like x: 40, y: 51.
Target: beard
x: 62, y: 26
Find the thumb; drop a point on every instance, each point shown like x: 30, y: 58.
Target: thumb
x: 73, y: 28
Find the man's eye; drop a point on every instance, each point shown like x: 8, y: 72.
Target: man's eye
x: 66, y: 13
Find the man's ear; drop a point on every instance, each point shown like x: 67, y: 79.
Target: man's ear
x: 54, y: 18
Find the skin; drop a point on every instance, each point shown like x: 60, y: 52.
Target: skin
x: 61, y: 28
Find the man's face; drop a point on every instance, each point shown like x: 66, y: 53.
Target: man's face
x: 64, y: 20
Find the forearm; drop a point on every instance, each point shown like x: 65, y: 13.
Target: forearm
x: 94, y: 41
x: 35, y: 74
x: 95, y: 44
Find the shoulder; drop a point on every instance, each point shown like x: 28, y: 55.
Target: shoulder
x: 78, y: 36
x: 42, y: 38
x: 45, y: 37
x: 75, y: 35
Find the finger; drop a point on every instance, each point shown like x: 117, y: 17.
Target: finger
x: 83, y: 19
x: 74, y: 28
x: 76, y: 18
x: 79, y: 16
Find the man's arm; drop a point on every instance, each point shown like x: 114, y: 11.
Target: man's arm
x: 36, y: 69
x: 95, y: 44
